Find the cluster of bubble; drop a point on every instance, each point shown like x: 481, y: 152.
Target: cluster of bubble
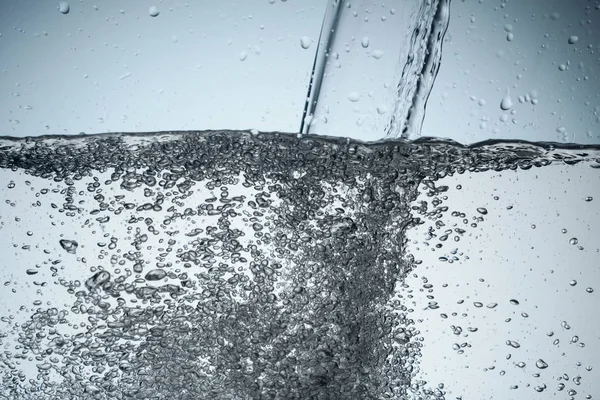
x: 285, y: 291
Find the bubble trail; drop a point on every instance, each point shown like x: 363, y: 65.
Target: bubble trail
x: 234, y: 265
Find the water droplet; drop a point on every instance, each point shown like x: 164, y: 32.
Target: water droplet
x: 510, y: 37
x: 64, y: 7
x: 562, y: 67
x: 482, y: 210
x: 573, y: 241
x: 377, y: 54
x: 365, y: 42
x: 541, y: 364
x: 573, y: 282
x: 69, y: 245
x: 514, y: 302
x: 31, y: 271
x: 513, y: 344
x: 589, y: 290
x: 354, y: 96
x: 243, y: 55
x: 573, y: 39
x: 492, y: 305
x: 153, y: 11
x: 506, y: 103
x: 478, y: 304
x: 155, y: 275
x: 305, y: 42
x: 589, y: 198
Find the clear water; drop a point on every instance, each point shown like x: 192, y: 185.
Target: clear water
x: 231, y: 265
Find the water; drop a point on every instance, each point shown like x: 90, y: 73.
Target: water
x: 391, y: 70
x: 237, y: 265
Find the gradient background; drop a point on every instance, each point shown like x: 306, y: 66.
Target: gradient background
x: 108, y: 66
x: 240, y: 65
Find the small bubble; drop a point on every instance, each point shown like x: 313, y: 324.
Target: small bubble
x: 377, y: 54
x: 482, y: 210
x: 589, y: 198
x: 573, y: 241
x: 492, y: 305
x: 305, y: 42
x: 382, y: 109
x: 562, y: 67
x: 510, y: 37
x: 64, y: 7
x: 243, y: 55
x: 155, y: 275
x: 514, y: 302
x: 541, y: 364
x: 478, y: 304
x: 69, y: 245
x: 365, y: 42
x: 573, y: 282
x: 353, y: 96
x: 153, y: 11
x: 506, y: 103
x: 573, y: 39
x: 589, y: 290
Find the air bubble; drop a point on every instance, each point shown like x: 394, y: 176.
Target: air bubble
x: 573, y: 39
x: 506, y: 103
x: 69, y: 245
x: 155, y: 275
x: 153, y: 11
x: 305, y: 42
x: 354, y: 96
x: 377, y: 54
x: 365, y: 42
x: 64, y: 7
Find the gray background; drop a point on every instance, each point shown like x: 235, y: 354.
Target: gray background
x: 108, y: 70
x: 108, y: 66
